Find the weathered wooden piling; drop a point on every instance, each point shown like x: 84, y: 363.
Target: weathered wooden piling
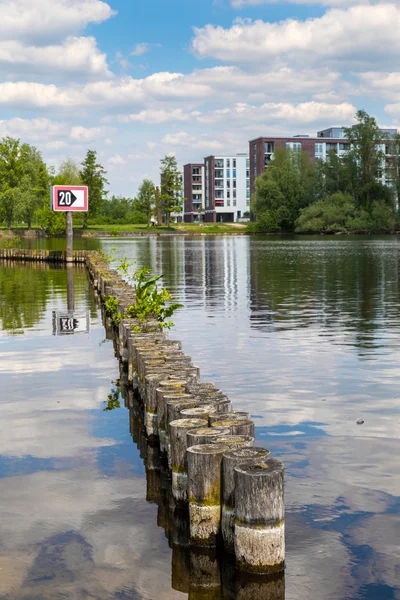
x: 204, y: 492
x: 233, y: 441
x: 204, y: 435
x: 177, y: 435
x: 199, y: 412
x: 237, y: 426
x: 260, y: 517
x: 205, y: 574
x: 241, y: 416
x: 231, y: 460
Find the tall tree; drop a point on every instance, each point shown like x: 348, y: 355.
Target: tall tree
x: 171, y: 187
x: 365, y: 160
x: 93, y: 175
x: 33, y: 188
x: 393, y: 164
x: 158, y: 205
x: 146, y: 199
x: 12, y: 159
x: 286, y: 186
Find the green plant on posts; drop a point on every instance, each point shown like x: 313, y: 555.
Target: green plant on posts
x: 13, y: 242
x: 111, y: 306
x: 151, y: 303
x: 123, y: 268
x: 108, y: 257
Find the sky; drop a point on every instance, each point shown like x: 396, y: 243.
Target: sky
x: 137, y: 80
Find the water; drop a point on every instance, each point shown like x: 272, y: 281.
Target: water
x: 303, y: 333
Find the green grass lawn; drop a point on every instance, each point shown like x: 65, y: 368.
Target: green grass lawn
x: 193, y: 228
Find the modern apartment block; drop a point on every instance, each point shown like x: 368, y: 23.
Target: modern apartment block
x: 332, y: 139
x: 227, y: 187
x: 193, y: 192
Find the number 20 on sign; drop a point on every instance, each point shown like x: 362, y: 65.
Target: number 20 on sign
x: 65, y: 198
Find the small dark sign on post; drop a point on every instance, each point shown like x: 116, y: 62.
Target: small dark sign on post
x: 69, y: 199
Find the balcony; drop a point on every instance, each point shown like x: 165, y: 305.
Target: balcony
x: 219, y: 203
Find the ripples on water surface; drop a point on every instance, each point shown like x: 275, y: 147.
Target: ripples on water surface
x: 303, y: 333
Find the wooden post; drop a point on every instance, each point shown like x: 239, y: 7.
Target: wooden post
x: 204, y: 435
x: 260, y: 517
x: 199, y: 412
x: 205, y: 574
x: 241, y: 416
x: 204, y: 492
x: 231, y: 460
x: 70, y: 234
x: 234, y: 442
x: 70, y: 287
x: 177, y: 435
x: 237, y: 426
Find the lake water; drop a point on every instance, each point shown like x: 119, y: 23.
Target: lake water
x: 304, y: 333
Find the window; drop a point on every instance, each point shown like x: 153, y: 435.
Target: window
x: 247, y: 193
x: 247, y: 173
x: 295, y: 146
x: 228, y: 163
x: 319, y: 149
x: 196, y: 171
x: 219, y: 183
x: 247, y: 163
x: 228, y: 194
x: 331, y: 148
x: 228, y: 173
x: 269, y: 147
x: 219, y: 173
x: 234, y: 193
x: 219, y: 194
x: 234, y: 183
x: 219, y: 163
x: 234, y: 163
x: 228, y: 184
x: 343, y: 147
x: 228, y: 202
x: 196, y: 178
x: 234, y: 173
x: 197, y: 187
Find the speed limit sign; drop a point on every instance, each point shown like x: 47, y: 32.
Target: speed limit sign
x: 69, y: 198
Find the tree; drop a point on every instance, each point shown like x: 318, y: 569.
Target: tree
x: 53, y: 223
x: 286, y: 186
x: 158, y: 205
x: 365, y: 160
x: 33, y: 188
x: 146, y: 199
x: 93, y: 175
x: 171, y: 187
x: 12, y: 159
x: 393, y: 164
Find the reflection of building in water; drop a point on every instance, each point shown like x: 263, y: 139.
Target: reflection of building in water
x: 202, y: 573
x: 217, y: 271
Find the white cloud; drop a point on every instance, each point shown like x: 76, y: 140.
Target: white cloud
x: 49, y: 19
x: 183, y: 138
x: 140, y: 49
x: 244, y: 3
x: 154, y: 116
x: 75, y: 55
x: 358, y: 36
x: 116, y: 160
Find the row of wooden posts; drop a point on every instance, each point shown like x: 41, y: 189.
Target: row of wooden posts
x: 234, y: 490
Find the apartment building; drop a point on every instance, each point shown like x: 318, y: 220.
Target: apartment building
x: 193, y: 192
x: 227, y: 187
x: 262, y: 149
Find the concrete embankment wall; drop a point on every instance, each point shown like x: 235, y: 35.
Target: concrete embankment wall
x: 229, y: 492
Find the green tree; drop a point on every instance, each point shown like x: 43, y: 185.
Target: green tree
x: 171, y: 187
x: 53, y: 223
x: 393, y: 164
x: 365, y: 160
x: 12, y: 160
x: 158, y: 205
x: 286, y: 186
x: 33, y: 188
x: 93, y: 175
x: 146, y: 199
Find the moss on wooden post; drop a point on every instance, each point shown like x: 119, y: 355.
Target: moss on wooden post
x: 204, y: 435
x: 177, y: 435
x: 259, y: 517
x: 232, y: 459
x: 204, y: 492
x: 241, y: 416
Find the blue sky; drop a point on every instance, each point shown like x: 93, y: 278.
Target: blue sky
x: 137, y: 80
